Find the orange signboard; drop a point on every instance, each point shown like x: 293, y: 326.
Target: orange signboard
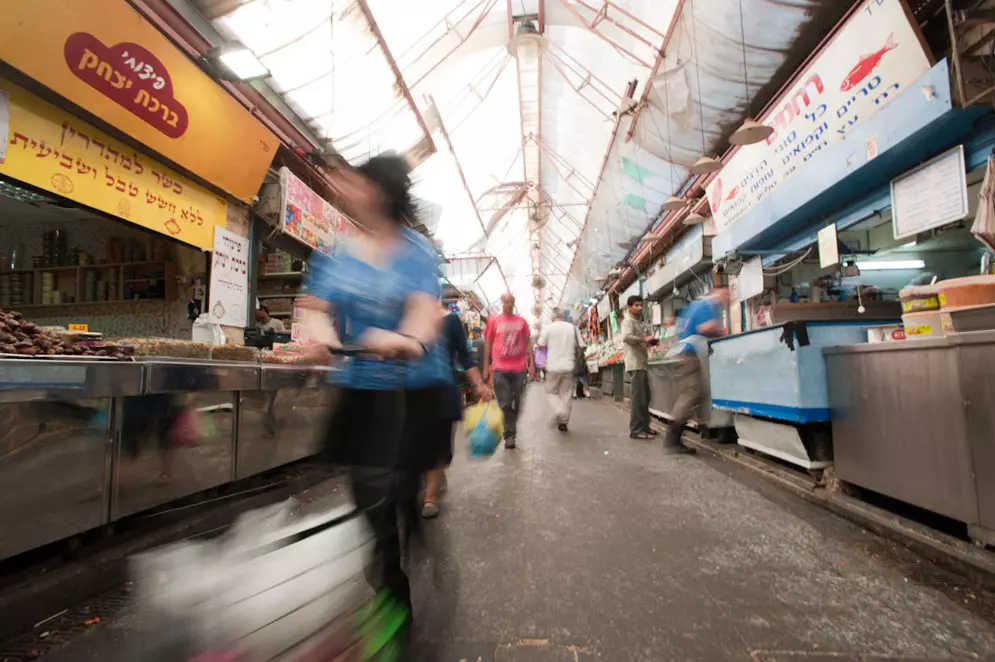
x: 106, y: 58
x: 49, y: 148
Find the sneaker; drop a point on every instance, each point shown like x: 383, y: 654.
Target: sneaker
x: 510, y: 442
x: 429, y: 510
x: 562, y: 427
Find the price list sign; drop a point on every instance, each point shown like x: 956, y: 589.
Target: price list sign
x: 229, y: 279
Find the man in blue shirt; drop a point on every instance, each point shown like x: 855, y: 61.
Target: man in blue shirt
x: 696, y: 323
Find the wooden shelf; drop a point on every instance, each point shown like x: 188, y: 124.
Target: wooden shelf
x: 284, y: 295
x: 44, y: 306
x: 165, y: 272
x: 283, y: 274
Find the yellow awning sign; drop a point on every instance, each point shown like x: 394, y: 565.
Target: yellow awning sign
x: 53, y: 150
x: 103, y: 56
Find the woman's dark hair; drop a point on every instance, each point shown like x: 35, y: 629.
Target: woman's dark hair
x: 392, y: 175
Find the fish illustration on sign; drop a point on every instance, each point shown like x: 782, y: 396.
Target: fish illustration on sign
x: 866, y: 65
x: 732, y: 193
x: 716, y: 195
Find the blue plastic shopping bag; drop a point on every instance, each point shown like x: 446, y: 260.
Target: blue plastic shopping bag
x: 484, y: 424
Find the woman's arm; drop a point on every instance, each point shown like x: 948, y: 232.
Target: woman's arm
x: 457, y: 340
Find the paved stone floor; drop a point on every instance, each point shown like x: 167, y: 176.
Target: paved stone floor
x: 590, y: 546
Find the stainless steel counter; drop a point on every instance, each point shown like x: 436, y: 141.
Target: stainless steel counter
x: 285, y: 420
x: 84, y: 443
x: 56, y: 446
x: 915, y: 420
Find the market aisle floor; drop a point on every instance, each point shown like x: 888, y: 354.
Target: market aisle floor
x: 591, y: 546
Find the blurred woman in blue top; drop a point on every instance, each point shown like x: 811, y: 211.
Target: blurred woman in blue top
x: 381, y: 291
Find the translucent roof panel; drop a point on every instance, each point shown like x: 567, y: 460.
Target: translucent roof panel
x: 329, y: 67
x: 534, y: 177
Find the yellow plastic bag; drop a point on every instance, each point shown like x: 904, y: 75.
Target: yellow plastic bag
x: 484, y: 425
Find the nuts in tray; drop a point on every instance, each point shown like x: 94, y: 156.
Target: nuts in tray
x: 24, y: 338
x: 178, y: 349
x: 234, y: 353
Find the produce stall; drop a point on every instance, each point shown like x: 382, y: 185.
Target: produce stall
x: 93, y: 431
x: 913, y: 420
x: 611, y: 368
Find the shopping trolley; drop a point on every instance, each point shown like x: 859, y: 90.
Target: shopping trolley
x: 271, y: 589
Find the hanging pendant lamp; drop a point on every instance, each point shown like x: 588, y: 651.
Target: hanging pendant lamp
x: 674, y: 203
x: 694, y: 218
x: 705, y: 165
x: 751, y: 132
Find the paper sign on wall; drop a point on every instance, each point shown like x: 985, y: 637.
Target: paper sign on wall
x: 829, y: 248
x: 751, y: 279
x: 229, y: 279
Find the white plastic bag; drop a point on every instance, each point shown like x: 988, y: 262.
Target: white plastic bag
x: 266, y: 586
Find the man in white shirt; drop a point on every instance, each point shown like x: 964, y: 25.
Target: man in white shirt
x: 561, y: 340
x: 267, y: 324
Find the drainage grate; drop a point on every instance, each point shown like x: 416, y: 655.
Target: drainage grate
x: 64, y: 627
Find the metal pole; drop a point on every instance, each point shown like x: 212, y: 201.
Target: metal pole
x: 955, y: 54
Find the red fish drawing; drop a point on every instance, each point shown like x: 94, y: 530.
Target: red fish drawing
x: 866, y: 65
x: 732, y: 193
x: 716, y: 195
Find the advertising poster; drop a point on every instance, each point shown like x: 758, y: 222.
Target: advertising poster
x: 307, y: 217
x: 229, y: 279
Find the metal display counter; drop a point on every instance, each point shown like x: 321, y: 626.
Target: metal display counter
x: 150, y: 470
x: 284, y: 420
x: 86, y: 442
x: 774, y: 379
x: 663, y: 397
x: 915, y: 421
x: 56, y: 442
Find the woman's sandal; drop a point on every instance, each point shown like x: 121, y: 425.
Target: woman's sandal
x: 641, y: 435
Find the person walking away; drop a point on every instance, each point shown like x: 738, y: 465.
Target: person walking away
x: 453, y: 347
x: 476, y: 345
x: 637, y: 337
x: 508, y: 358
x: 698, y: 322
x: 562, y: 342
x: 540, y: 361
x: 381, y: 290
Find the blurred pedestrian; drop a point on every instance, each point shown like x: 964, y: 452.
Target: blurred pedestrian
x: 438, y: 445
x: 638, y: 337
x: 563, y: 345
x: 697, y: 323
x: 540, y: 361
x: 379, y: 290
x: 508, y: 357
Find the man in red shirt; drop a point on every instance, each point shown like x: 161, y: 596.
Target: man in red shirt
x: 508, y: 356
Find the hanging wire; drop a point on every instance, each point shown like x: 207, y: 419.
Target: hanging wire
x: 746, y: 79
x: 697, y: 75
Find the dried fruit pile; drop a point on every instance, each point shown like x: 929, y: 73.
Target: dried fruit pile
x: 19, y: 336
